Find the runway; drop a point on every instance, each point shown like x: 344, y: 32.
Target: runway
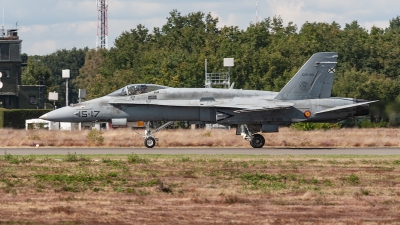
x: 202, y: 151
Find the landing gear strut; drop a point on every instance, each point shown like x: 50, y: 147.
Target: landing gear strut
x: 256, y: 140
x: 149, y: 139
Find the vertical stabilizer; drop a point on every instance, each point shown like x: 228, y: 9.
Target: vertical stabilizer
x: 313, y: 80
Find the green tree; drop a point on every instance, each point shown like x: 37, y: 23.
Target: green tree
x: 373, y: 86
x: 36, y: 73
x: 73, y: 60
x: 267, y: 55
x: 89, y: 71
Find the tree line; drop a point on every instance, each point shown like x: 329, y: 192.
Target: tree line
x: 266, y: 56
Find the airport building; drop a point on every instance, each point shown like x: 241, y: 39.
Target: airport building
x: 13, y: 95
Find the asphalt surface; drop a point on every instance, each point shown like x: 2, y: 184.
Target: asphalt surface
x: 202, y: 151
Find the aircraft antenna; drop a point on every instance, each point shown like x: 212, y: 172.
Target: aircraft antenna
x: 102, y: 27
x: 2, y: 27
x: 256, y: 12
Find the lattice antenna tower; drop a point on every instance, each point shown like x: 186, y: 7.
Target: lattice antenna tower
x: 102, y: 27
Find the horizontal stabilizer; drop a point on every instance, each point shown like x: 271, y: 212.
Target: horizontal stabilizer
x: 344, y: 107
x: 247, y: 108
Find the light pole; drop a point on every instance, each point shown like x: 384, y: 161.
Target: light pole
x: 65, y: 75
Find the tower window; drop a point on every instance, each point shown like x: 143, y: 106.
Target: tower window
x: 6, y: 73
x: 5, y: 51
x: 32, y: 99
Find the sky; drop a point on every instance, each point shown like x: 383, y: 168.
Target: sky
x: 46, y: 26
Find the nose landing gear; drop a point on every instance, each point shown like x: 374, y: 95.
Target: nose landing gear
x: 149, y: 139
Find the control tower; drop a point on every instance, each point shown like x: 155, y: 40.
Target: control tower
x: 10, y: 68
x: 13, y: 95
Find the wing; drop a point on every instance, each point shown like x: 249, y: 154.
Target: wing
x: 344, y: 107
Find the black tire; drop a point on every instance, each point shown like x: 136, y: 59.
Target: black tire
x: 257, y: 141
x: 149, y: 142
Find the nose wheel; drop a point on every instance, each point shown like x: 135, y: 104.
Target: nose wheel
x: 149, y: 142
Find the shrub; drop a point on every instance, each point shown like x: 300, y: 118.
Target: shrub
x: 71, y: 157
x: 136, y: 159
x: 352, y: 179
x: 207, y: 134
x: 95, y: 137
x: 15, y: 118
x: 315, y: 126
x: 75, y: 158
x: 10, y: 158
x: 369, y: 124
x: 2, y: 117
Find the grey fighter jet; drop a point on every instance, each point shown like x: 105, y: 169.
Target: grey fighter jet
x: 305, y: 98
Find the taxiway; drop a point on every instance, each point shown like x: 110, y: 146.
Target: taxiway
x: 202, y: 151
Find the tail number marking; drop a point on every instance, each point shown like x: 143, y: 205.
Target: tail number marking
x: 88, y: 113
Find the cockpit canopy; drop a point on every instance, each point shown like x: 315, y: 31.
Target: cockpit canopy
x: 136, y: 89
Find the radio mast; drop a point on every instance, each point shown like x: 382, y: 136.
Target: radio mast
x: 256, y: 12
x: 102, y: 27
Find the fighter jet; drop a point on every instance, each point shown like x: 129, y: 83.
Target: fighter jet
x: 305, y: 98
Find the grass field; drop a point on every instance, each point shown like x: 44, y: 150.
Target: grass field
x: 199, y: 189
x: 286, y: 137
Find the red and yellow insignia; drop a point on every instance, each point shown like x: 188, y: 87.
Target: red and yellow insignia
x: 307, y: 113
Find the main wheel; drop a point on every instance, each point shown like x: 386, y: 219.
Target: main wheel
x: 257, y: 141
x: 149, y: 142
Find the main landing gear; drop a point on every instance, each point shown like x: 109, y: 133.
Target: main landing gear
x: 248, y: 133
x: 149, y: 139
x: 256, y: 140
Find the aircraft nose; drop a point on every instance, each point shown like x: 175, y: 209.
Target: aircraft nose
x: 64, y: 114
